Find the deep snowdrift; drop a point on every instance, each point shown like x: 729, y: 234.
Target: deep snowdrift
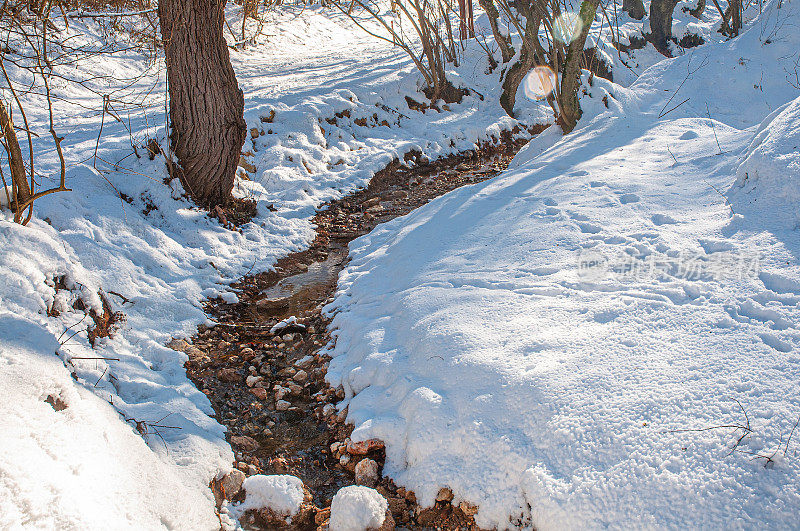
x: 539, y: 342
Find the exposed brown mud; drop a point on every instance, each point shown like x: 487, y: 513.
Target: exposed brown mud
x: 268, y: 386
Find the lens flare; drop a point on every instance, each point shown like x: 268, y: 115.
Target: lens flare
x: 539, y: 83
x: 567, y: 26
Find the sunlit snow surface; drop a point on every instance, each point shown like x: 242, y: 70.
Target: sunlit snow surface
x: 544, y: 343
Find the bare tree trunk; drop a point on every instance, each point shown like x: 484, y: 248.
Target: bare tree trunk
x: 661, y: 24
x: 18, y: 177
x: 736, y: 17
x: 471, y: 20
x: 634, y: 8
x: 503, y: 42
x: 571, y: 74
x: 462, y: 18
x: 515, y: 74
x: 206, y: 104
x: 513, y: 78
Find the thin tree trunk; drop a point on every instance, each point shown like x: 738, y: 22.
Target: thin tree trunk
x: 516, y: 73
x: 503, y: 42
x: 206, y: 104
x: 569, y: 104
x: 634, y: 8
x: 661, y: 24
x: 18, y: 177
x: 470, y: 20
x: 736, y: 17
x: 462, y: 18
x: 513, y: 78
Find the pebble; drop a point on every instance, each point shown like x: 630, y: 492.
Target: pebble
x: 232, y: 483
x: 367, y: 473
x: 294, y: 388
x: 259, y: 393
x: 364, y: 447
x: 282, y: 405
x: 300, y: 376
x: 248, y: 444
x: 304, y: 362
x: 444, y: 495
x: 178, y: 344
x: 194, y: 352
x: 251, y: 380
x: 468, y: 509
x: 371, y: 202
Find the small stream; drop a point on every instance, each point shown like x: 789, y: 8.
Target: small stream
x: 269, y: 388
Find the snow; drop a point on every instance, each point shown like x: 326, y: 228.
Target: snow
x: 474, y: 371
x: 282, y: 493
x: 357, y: 508
x: 768, y: 180
x: 78, y: 468
x: 558, y: 344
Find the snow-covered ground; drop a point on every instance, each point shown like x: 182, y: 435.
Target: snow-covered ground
x: 135, y: 446
x: 557, y: 345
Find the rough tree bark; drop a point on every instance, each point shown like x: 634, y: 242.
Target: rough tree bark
x: 19, y: 178
x: 568, y: 102
x: 661, y: 24
x: 530, y: 54
x: 503, y: 41
x: 634, y: 8
x: 206, y: 106
x: 735, y: 7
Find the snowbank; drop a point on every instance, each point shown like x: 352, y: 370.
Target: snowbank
x: 559, y: 345
x: 357, y: 508
x: 768, y: 180
x: 67, y: 459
